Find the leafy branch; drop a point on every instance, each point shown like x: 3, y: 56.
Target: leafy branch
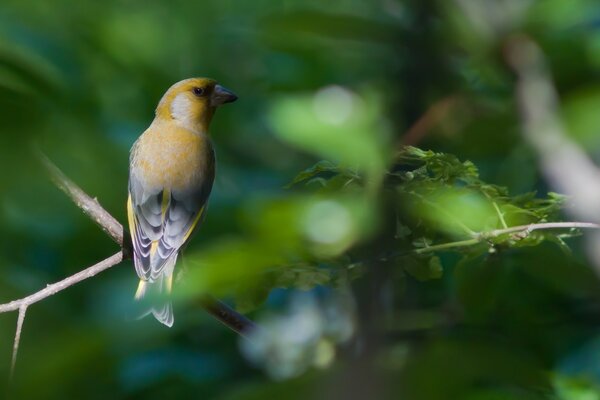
x: 516, y: 232
x: 436, y: 196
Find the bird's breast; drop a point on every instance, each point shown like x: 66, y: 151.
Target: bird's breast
x: 173, y: 157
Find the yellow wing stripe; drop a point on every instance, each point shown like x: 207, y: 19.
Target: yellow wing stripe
x: 130, y: 218
x: 153, y: 247
x: 166, y: 198
x: 141, y: 289
x: 169, y: 283
x: 193, y: 226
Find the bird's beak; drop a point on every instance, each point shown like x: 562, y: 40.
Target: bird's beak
x: 221, y: 96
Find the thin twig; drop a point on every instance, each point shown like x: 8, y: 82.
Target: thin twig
x: 49, y: 290
x: 446, y: 246
x: 90, y: 207
x: 20, y: 320
x: 62, y: 285
x: 536, y: 227
x: 483, y: 236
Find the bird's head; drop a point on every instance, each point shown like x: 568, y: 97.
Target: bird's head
x: 192, y: 102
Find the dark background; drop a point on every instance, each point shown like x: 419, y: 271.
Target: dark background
x: 344, y: 81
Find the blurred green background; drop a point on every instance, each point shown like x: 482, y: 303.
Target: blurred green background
x: 344, y: 83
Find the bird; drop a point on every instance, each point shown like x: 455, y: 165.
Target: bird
x: 171, y: 174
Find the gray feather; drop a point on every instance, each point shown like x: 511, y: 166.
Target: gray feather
x: 170, y: 230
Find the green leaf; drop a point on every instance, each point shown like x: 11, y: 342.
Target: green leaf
x: 558, y: 240
x: 435, y: 267
x: 422, y: 269
x: 402, y: 231
x: 303, y: 277
x: 317, y: 169
x: 338, y: 124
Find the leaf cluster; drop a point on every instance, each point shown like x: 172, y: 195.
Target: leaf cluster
x: 441, y: 203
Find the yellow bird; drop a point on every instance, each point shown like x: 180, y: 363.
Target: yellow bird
x: 171, y: 173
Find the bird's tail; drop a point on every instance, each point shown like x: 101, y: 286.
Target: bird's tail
x: 156, y: 293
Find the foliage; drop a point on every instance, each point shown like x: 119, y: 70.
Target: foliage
x: 407, y: 244
x: 442, y: 199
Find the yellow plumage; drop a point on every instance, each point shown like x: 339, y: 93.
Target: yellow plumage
x: 171, y: 174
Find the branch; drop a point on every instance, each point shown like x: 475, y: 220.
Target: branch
x: 20, y: 320
x: 432, y: 117
x: 446, y: 246
x: 228, y: 317
x: 48, y: 291
x: 564, y: 163
x: 92, y: 208
x: 566, y: 166
x: 54, y: 288
x: 527, y: 229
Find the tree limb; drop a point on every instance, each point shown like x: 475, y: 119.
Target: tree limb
x: 92, y: 208
x: 566, y: 166
x: 228, y: 317
x: 563, y: 162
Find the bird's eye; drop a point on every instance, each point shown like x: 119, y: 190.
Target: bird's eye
x: 198, y: 91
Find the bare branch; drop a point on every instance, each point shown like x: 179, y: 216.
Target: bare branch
x: 566, y: 166
x: 62, y: 285
x: 229, y: 317
x: 20, y: 320
x: 48, y: 291
x: 564, y: 163
x: 535, y: 227
x: 91, y: 207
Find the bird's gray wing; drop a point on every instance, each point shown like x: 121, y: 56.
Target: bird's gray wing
x: 163, y: 221
x: 145, y: 212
